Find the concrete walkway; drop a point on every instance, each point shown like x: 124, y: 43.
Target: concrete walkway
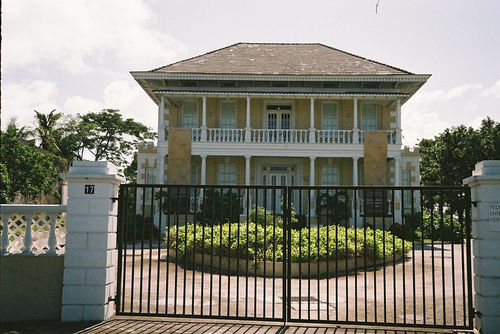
x: 163, y: 325
x: 415, y: 291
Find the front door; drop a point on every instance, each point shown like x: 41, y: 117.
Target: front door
x: 276, y: 176
x: 279, y: 120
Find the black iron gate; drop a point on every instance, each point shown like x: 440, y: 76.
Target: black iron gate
x: 397, y: 256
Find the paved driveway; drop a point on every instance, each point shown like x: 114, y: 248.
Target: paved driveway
x: 416, y: 290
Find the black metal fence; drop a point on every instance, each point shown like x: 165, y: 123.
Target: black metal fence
x: 396, y: 256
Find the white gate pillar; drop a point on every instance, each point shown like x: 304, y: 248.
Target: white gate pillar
x: 485, y: 195
x: 91, y: 255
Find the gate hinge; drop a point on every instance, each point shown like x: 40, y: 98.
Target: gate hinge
x: 474, y: 311
x: 112, y: 298
x: 114, y: 199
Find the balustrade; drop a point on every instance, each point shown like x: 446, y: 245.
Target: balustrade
x: 290, y: 136
x: 33, y: 229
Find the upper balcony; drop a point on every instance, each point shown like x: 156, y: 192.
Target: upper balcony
x: 285, y: 136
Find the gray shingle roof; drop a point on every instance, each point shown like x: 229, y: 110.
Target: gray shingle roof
x: 280, y: 59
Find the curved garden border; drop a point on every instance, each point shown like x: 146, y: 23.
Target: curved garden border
x: 329, y: 268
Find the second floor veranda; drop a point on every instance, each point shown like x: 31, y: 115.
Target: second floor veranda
x: 281, y: 121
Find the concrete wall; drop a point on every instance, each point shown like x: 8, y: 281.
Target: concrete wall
x: 30, y: 287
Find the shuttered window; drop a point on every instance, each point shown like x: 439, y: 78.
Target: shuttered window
x: 329, y: 175
x: 227, y: 174
x: 330, y: 119
x: 189, y: 115
x: 228, y: 115
x: 369, y: 116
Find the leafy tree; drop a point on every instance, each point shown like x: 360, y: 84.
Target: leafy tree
x: 130, y: 171
x: 450, y: 157
x: 107, y: 136
x: 25, y: 169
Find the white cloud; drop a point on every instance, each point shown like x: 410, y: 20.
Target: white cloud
x: 493, y: 90
x: 418, y: 125
x: 81, y: 35
x: 19, y: 100
x: 440, y: 94
x: 132, y: 101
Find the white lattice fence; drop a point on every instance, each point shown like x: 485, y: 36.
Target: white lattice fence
x: 47, y: 232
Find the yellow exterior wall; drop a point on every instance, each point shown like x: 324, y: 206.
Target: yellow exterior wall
x: 301, y: 108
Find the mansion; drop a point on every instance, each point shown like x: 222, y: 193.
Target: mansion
x: 279, y: 114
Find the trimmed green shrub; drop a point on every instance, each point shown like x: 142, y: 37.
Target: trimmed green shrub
x: 446, y: 229
x: 266, y: 242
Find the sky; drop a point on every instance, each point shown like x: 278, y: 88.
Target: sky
x: 75, y: 56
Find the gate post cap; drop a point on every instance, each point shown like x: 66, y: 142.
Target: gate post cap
x: 487, y: 170
x: 92, y: 169
x: 487, y: 167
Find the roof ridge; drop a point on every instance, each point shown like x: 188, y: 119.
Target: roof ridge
x: 190, y: 58
x: 284, y: 44
x: 368, y: 59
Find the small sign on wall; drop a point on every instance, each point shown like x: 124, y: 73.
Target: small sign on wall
x: 494, y: 216
x: 89, y: 189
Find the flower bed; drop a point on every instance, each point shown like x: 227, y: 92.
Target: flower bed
x: 232, y: 245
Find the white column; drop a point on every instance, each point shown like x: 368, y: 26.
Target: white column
x: 247, y: 169
x: 485, y: 194
x: 161, y: 168
x: 312, y: 179
x: 161, y: 120
x: 91, y: 255
x: 355, y: 181
x: 355, y: 135
x: 397, y: 194
x: 398, y: 121
x: 204, y: 119
x: 247, y: 126
x: 312, y: 182
x: 203, y: 179
x: 312, y: 130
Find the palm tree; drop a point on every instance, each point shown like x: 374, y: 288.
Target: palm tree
x: 23, y: 133
x: 48, y: 130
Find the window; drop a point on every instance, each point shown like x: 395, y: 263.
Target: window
x: 369, y: 117
x: 405, y: 181
x: 150, y: 179
x: 330, y: 120
x: 228, y: 115
x: 190, y: 115
x: 227, y: 174
x: 329, y: 175
x: 194, y: 173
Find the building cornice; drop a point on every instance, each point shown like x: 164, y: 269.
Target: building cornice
x: 268, y: 77
x: 281, y: 94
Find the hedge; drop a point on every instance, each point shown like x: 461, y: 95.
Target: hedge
x: 334, y: 241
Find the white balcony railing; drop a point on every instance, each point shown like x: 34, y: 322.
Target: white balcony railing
x: 334, y: 136
x: 287, y: 136
x: 33, y: 229
x: 215, y: 135
x: 293, y: 136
